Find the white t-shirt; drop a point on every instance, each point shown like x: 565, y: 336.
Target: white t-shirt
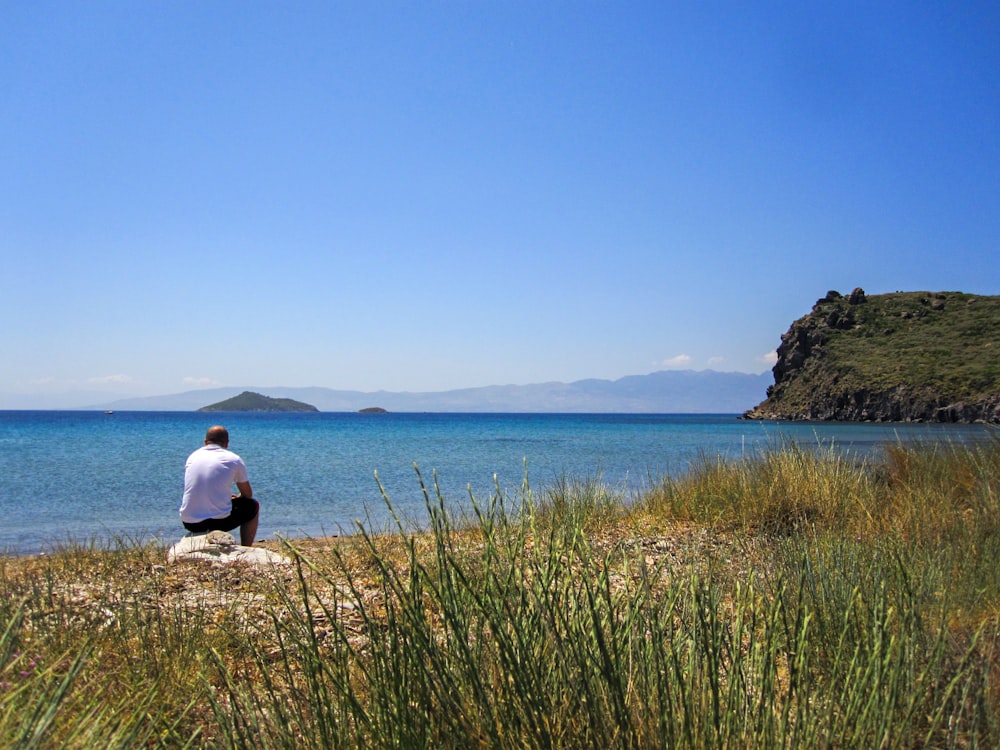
x: 209, y: 475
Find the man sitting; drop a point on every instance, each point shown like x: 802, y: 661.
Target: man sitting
x: 208, y: 503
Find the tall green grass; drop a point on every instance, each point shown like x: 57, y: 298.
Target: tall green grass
x: 868, y: 618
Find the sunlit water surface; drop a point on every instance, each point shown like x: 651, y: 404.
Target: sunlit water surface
x: 90, y: 476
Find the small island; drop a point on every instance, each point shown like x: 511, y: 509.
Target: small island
x: 256, y: 402
x: 372, y: 410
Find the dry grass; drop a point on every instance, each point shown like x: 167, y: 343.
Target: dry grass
x: 796, y: 600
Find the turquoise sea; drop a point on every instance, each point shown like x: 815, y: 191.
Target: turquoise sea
x: 92, y: 477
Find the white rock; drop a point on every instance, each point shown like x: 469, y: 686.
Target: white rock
x: 220, y: 546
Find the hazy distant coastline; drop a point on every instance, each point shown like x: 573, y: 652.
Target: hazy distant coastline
x: 663, y: 392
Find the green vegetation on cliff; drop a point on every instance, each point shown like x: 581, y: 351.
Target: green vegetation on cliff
x: 250, y: 401
x: 907, y: 356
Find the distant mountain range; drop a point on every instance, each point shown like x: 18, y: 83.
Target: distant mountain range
x: 664, y: 392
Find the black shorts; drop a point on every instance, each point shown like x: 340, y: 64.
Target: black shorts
x: 244, y: 509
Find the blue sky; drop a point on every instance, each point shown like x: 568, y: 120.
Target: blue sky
x: 432, y: 195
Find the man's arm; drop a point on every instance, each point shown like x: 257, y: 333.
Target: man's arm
x: 245, y: 489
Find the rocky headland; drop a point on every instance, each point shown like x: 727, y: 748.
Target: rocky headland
x: 900, y: 357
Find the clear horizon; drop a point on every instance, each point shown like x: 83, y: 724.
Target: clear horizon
x: 72, y: 401
x: 442, y: 196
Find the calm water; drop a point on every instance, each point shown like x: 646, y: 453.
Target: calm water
x: 93, y: 476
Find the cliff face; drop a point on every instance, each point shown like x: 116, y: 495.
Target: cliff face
x: 903, y: 357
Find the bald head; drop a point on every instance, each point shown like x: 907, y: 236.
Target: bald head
x: 218, y: 435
